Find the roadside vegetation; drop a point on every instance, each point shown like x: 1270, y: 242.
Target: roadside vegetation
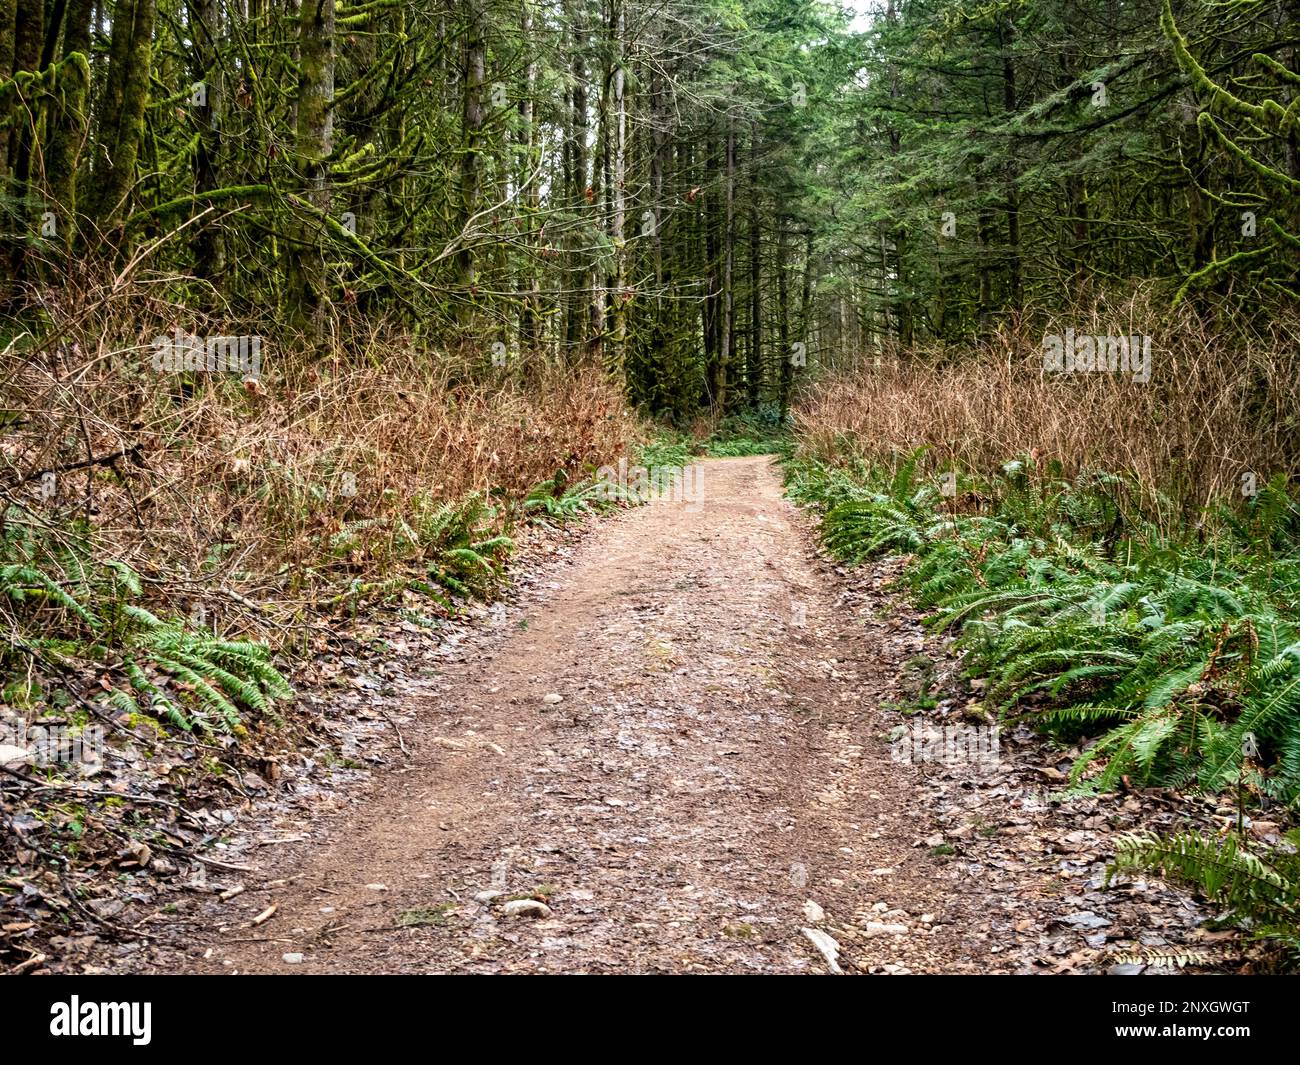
x: 1114, y: 573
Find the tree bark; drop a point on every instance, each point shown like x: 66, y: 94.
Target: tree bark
x: 205, y: 22
x: 754, y: 360
x: 471, y: 171
x: 123, y: 107
x: 618, y: 192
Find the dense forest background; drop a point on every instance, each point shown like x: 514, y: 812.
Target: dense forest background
x: 708, y: 197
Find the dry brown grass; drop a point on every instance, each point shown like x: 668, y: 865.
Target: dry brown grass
x: 1213, y: 409
x: 230, y: 484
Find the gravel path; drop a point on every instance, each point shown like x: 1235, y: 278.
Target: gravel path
x: 672, y: 759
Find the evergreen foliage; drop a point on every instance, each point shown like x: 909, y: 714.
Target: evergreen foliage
x: 1174, y: 656
x: 71, y: 608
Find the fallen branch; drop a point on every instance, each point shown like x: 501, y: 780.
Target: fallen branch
x: 132, y: 453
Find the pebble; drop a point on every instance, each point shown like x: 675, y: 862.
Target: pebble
x: 293, y: 959
x: 826, y: 946
x: 813, y: 913
x: 552, y: 699
x: 526, y: 908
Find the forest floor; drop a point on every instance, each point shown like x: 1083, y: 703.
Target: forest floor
x: 670, y: 752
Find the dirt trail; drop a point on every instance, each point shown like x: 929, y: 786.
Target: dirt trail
x: 715, y: 762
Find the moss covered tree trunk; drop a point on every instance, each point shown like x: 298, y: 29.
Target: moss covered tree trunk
x: 206, y: 24
x: 618, y: 190
x: 754, y: 353
x: 471, y: 168
x: 29, y: 34
x: 313, y: 140
x: 530, y: 314
x: 126, y: 94
x: 577, y: 267
x: 21, y: 118
x: 68, y: 119
x: 8, y: 28
x: 784, y: 350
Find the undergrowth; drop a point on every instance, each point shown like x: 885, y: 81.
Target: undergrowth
x: 1259, y: 890
x: 761, y: 432
x: 1177, y: 655
x: 1173, y: 660
x: 170, y: 533
x: 74, y: 609
x: 68, y: 612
